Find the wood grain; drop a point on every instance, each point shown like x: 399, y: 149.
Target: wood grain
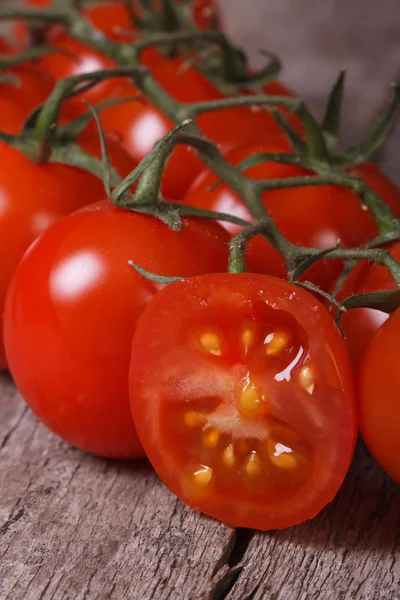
x: 76, y: 527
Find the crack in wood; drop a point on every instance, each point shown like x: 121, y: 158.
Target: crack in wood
x: 13, y: 519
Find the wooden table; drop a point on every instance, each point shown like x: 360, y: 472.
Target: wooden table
x: 75, y: 527
x: 80, y: 528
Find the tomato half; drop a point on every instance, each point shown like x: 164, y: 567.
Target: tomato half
x: 378, y: 380
x: 360, y: 324
x: 242, y: 395
x: 33, y: 197
x: 315, y: 216
x: 72, y: 309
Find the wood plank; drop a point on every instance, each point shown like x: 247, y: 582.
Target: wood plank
x: 75, y: 526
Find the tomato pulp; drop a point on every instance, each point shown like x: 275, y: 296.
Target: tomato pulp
x: 72, y: 309
x: 33, y: 197
x: 242, y: 395
x: 316, y: 216
x: 378, y: 379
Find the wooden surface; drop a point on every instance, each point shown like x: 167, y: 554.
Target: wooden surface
x: 74, y: 527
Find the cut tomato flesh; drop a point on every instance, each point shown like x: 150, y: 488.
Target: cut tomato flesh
x: 241, y: 407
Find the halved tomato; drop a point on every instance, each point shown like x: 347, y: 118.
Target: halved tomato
x: 242, y: 394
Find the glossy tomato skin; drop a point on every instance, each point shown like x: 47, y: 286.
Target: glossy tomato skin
x: 72, y: 309
x: 314, y: 216
x: 378, y: 381
x: 229, y: 372
x: 18, y: 99
x: 29, y: 204
x: 360, y: 324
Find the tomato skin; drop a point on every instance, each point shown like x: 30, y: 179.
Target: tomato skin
x: 315, y: 216
x: 45, y: 193
x: 19, y: 99
x: 72, y: 308
x: 186, y: 375
x: 378, y: 381
x: 360, y: 324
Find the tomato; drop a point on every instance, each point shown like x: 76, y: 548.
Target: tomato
x: 113, y: 16
x: 72, y: 309
x: 141, y: 125
x: 360, y: 324
x: 18, y: 99
x: 32, y: 197
x: 5, y: 46
x: 314, y: 216
x: 378, y: 380
x: 242, y: 395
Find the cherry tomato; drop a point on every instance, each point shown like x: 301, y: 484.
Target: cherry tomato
x: 72, y: 309
x: 360, y: 324
x: 141, y: 125
x: 20, y: 97
x: 378, y: 380
x: 32, y: 197
x: 314, y: 216
x: 242, y: 395
x: 5, y: 46
x: 114, y: 20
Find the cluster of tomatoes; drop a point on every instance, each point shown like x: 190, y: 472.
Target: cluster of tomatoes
x: 241, y: 386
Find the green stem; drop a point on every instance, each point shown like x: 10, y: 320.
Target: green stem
x: 238, y: 246
x: 12, y: 60
x: 196, y: 109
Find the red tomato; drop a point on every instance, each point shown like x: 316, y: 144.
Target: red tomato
x: 141, y: 125
x: 378, y: 379
x: 242, y: 395
x: 314, y: 216
x: 32, y: 197
x: 113, y: 16
x: 18, y: 99
x: 360, y: 324
x: 72, y: 309
x: 5, y: 46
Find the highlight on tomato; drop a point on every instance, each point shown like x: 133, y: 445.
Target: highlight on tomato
x: 242, y: 394
x: 72, y: 308
x: 34, y: 196
x: 378, y: 382
x: 360, y: 324
x: 315, y: 216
